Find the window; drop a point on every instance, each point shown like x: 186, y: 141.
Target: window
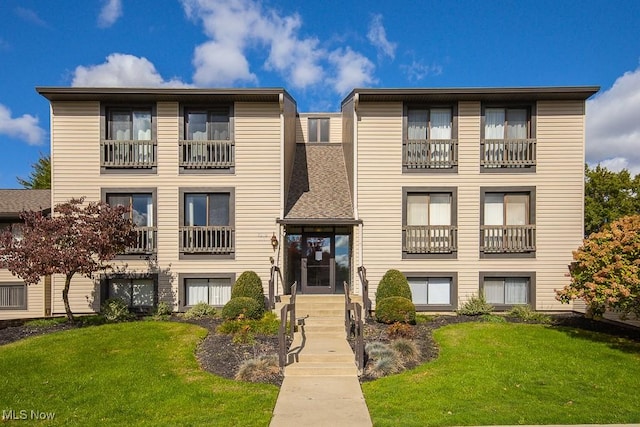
x: 208, y: 141
x: 508, y: 139
x: 207, y: 125
x: 129, y: 124
x: 141, y: 213
x: 318, y: 129
x: 129, y: 141
x: 137, y: 293
x: 212, y: 291
x: 508, y: 221
x: 433, y: 291
x: 429, y: 141
x: 13, y: 296
x: 429, y: 222
x: 15, y: 228
x: 207, y: 222
x: 504, y: 290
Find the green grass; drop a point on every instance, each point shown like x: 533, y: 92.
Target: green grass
x: 497, y: 373
x: 138, y: 373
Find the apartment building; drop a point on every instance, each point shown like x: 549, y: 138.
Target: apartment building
x: 465, y: 191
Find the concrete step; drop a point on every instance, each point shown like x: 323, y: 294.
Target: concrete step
x: 321, y: 369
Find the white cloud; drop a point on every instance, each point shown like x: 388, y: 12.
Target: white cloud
x: 238, y: 28
x: 613, y: 125
x: 25, y: 128
x: 121, y: 70
x: 110, y: 12
x: 377, y: 35
x: 31, y: 16
x: 417, y: 70
x: 352, y: 70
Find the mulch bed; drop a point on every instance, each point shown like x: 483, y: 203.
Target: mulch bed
x: 219, y: 355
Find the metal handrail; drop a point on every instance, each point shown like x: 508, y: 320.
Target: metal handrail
x: 288, y: 311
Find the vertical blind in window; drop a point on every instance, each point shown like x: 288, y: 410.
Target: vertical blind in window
x: 209, y: 291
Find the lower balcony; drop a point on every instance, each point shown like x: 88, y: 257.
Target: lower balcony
x: 430, y: 239
x: 207, y: 239
x: 497, y: 239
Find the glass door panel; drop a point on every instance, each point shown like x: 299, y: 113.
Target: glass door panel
x: 317, y: 264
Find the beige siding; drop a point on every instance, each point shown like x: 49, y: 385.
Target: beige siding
x: 35, y: 298
x: 558, y: 182
x: 335, y: 127
x: 347, y: 140
x: 257, y: 185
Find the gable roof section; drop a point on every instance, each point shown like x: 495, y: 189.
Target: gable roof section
x: 12, y: 202
x: 319, y: 189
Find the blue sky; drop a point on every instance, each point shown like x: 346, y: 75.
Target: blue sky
x: 319, y: 51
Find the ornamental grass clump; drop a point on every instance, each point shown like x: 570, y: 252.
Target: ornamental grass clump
x: 382, y: 360
x: 525, y: 313
x: 477, y: 305
x: 261, y: 369
x: 200, y: 310
x: 407, y: 350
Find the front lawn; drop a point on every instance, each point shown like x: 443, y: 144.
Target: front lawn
x: 503, y: 373
x: 138, y: 373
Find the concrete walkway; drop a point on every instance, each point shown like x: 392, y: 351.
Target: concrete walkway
x: 320, y: 386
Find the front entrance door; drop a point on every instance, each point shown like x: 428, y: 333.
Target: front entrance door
x: 318, y: 264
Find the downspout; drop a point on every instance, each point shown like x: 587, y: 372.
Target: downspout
x: 356, y: 101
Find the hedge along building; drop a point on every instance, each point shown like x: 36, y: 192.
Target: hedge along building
x: 463, y: 190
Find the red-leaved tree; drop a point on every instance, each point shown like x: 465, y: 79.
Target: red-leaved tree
x: 75, y: 239
x: 605, y: 273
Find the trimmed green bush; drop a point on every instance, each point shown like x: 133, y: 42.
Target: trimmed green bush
x: 116, y: 310
x: 396, y: 309
x: 242, y: 308
x: 393, y: 284
x: 249, y: 285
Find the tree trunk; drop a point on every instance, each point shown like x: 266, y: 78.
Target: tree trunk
x: 65, y: 297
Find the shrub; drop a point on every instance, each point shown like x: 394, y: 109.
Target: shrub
x: 393, y: 284
x: 199, y: 311
x: 261, y: 369
x: 406, y: 349
x: 249, y: 285
x: 268, y: 325
x: 242, y: 308
x: 163, y: 309
x: 396, y: 309
x: 116, y: 310
x: 45, y: 323
x: 400, y: 330
x: 492, y: 318
x: 525, y: 313
x: 475, y: 306
x: 382, y: 360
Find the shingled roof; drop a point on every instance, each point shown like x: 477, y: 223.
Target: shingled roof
x: 12, y: 202
x: 319, y: 187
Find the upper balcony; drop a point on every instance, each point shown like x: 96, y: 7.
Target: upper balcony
x: 434, y: 154
x: 128, y: 154
x: 207, y: 154
x: 508, y: 154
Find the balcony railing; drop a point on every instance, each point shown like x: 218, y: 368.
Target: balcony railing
x: 508, y: 153
x: 508, y: 238
x: 145, y: 241
x: 430, y: 239
x: 207, y: 240
x: 430, y: 154
x: 127, y: 154
x: 207, y: 154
